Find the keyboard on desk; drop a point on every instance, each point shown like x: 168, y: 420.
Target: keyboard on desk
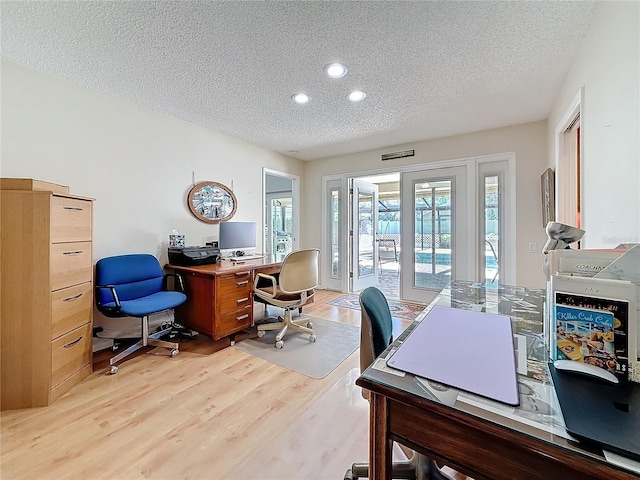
x: 246, y: 257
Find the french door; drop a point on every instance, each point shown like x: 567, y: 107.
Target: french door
x: 434, y: 231
x: 456, y: 222
x: 334, y: 236
x: 363, y: 228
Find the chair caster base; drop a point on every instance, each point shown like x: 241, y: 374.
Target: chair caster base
x: 113, y: 369
x: 279, y: 344
x: 175, y: 352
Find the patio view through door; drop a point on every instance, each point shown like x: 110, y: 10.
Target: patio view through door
x: 363, y: 228
x: 281, y: 200
x: 414, y: 231
x: 491, y: 185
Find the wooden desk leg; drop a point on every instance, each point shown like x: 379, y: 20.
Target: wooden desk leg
x: 380, y: 447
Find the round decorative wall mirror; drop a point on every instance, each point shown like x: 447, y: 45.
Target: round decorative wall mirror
x: 212, y: 202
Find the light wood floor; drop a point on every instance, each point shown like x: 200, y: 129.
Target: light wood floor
x: 209, y: 413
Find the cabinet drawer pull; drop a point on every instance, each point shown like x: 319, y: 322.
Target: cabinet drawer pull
x: 73, y: 208
x: 242, y: 317
x: 240, y: 274
x: 70, y: 299
x: 77, y: 252
x: 240, y: 284
x: 71, y: 344
x: 242, y: 300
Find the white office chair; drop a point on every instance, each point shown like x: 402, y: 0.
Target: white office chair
x: 387, y: 250
x: 290, y: 290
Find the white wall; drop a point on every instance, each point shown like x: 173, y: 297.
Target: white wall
x: 528, y: 141
x: 137, y: 164
x: 607, y: 66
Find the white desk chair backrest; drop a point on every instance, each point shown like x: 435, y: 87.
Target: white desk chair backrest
x: 300, y: 271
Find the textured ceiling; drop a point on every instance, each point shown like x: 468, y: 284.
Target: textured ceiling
x: 430, y: 69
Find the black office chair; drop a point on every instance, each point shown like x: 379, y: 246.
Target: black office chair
x: 376, y: 334
x: 135, y: 286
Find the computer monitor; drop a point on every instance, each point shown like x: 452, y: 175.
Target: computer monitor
x: 237, y: 236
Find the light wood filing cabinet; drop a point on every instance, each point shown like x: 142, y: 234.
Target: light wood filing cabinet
x: 46, y: 292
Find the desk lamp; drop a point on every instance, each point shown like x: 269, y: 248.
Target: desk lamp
x: 561, y: 236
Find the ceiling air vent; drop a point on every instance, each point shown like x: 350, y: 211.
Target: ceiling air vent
x: 394, y: 155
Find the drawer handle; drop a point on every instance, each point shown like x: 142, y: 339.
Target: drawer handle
x: 240, y: 284
x: 75, y: 297
x: 242, y: 300
x: 242, y: 317
x: 71, y: 344
x: 72, y: 208
x: 239, y: 274
x: 77, y: 252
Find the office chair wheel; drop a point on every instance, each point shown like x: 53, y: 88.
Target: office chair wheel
x: 113, y: 369
x: 312, y: 338
x: 309, y: 325
x: 279, y: 344
x: 175, y: 352
x: 261, y: 333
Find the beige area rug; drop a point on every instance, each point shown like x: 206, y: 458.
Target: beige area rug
x: 336, y: 341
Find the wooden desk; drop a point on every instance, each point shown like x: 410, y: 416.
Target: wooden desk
x: 220, y: 296
x: 480, y: 438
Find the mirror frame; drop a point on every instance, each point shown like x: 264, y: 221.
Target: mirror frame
x: 227, y: 196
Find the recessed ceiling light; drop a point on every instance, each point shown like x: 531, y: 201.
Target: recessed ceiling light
x: 335, y: 70
x: 357, y: 96
x: 300, y: 98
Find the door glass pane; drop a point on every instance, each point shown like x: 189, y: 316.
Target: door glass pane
x: 491, y: 228
x: 433, y: 234
x: 388, y: 237
x: 334, y: 227
x: 366, y: 235
x: 281, y: 226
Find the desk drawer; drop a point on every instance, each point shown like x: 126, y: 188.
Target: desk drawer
x: 70, y: 308
x: 70, y: 220
x: 234, y: 322
x: 70, y: 264
x: 70, y: 353
x: 235, y: 292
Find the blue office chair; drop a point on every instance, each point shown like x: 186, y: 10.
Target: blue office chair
x: 135, y: 286
x: 376, y: 334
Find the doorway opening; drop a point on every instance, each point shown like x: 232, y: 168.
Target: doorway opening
x: 280, y: 214
x: 376, y: 235
x: 568, y: 167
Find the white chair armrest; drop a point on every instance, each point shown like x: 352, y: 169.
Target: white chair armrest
x: 274, y: 282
